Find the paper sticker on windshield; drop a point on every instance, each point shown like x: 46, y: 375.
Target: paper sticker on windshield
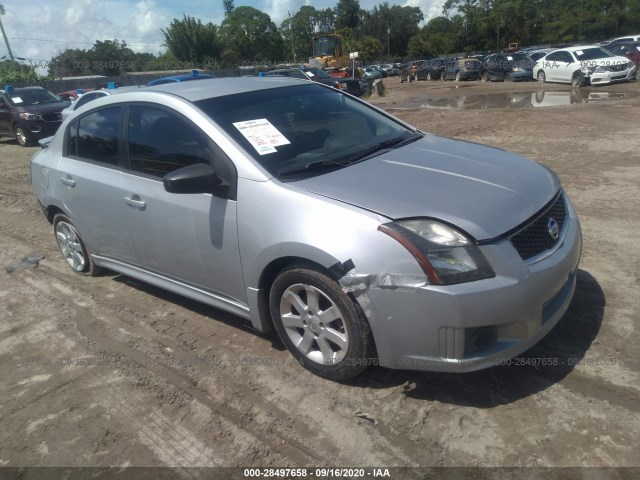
x: 262, y: 135
x: 16, y: 99
x: 510, y: 58
x: 311, y: 74
x: 579, y: 52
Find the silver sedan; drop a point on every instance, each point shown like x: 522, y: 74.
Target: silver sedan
x: 359, y: 238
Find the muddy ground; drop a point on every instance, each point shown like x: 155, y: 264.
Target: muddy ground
x: 108, y: 371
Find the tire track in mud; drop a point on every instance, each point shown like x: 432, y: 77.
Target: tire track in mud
x: 89, y: 327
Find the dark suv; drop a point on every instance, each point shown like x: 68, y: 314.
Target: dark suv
x: 507, y: 67
x: 29, y: 114
x: 348, y: 84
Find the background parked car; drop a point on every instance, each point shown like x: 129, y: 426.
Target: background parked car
x: 536, y: 55
x: 582, y: 65
x: 194, y: 75
x: 507, y: 67
x: 29, y: 114
x: 462, y: 69
x: 431, y: 69
x: 347, y: 84
x: 85, y: 98
x: 410, y: 70
x: 630, y: 50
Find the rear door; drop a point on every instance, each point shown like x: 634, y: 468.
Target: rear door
x: 90, y: 178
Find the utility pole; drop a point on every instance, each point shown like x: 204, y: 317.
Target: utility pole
x: 389, y: 42
x: 291, y: 35
x: 6, y: 40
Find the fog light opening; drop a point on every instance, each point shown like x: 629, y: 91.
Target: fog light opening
x: 477, y: 339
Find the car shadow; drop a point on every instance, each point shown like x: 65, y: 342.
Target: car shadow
x: 200, y: 308
x: 561, y: 350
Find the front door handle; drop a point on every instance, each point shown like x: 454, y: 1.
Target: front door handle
x: 68, y: 181
x: 136, y: 202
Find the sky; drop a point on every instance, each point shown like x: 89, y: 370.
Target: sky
x: 38, y: 30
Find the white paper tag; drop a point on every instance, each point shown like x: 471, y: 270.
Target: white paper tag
x: 262, y: 135
x: 16, y: 99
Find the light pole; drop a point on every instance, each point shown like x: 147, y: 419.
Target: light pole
x: 389, y: 43
x: 6, y: 40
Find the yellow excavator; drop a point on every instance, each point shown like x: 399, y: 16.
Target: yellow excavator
x: 328, y: 52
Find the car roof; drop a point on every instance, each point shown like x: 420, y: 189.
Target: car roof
x: 579, y: 47
x: 220, y: 87
x: 22, y: 89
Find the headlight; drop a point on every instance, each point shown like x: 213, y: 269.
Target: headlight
x: 600, y: 70
x: 517, y: 69
x: 28, y: 116
x: 445, y: 255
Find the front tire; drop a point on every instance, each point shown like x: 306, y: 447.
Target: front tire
x: 319, y: 324
x: 72, y: 247
x: 428, y: 76
x: 578, y: 80
x: 457, y: 76
x: 484, y: 77
x: 22, y: 136
x: 542, y: 78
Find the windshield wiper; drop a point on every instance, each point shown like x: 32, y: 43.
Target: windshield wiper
x: 309, y: 166
x: 381, y: 146
x: 354, y: 158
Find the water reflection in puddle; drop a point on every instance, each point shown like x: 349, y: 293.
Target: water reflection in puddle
x: 541, y: 98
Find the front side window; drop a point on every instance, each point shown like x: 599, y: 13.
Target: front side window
x: 304, y: 130
x: 161, y: 141
x: 95, y: 136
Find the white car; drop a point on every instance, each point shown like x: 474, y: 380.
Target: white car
x: 87, y: 97
x: 582, y: 65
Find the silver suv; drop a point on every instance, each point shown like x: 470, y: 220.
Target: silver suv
x: 359, y: 238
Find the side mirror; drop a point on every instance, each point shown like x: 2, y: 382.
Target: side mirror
x: 197, y: 178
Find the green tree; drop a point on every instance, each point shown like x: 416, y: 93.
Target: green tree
x: 298, y: 31
x: 437, y: 38
x: 189, y: 40
x: 252, y: 35
x: 228, y: 7
x: 347, y: 14
x: 392, y: 25
x: 368, y: 48
x: 15, y: 72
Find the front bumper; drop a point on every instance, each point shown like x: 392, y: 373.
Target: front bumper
x: 524, y: 76
x: 602, y: 78
x: 476, y: 325
x: 39, y: 130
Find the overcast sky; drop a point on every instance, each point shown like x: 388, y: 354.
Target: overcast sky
x: 39, y: 29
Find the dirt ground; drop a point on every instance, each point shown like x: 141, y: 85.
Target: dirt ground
x: 107, y: 371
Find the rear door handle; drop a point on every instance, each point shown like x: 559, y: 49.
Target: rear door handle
x: 136, y: 202
x: 68, y: 181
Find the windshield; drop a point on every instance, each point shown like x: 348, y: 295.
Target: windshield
x: 318, y: 73
x: 592, y: 54
x: 32, y: 97
x: 291, y: 128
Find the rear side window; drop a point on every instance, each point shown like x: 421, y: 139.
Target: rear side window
x: 86, y: 98
x: 161, y: 141
x: 95, y: 136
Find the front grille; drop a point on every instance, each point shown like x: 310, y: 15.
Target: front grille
x: 618, y: 67
x: 52, y: 117
x: 535, y: 238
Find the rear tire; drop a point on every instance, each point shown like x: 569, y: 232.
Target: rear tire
x: 72, y: 246
x: 428, y: 76
x: 319, y: 324
x: 457, y: 76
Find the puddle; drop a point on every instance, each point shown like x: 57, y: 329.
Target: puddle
x: 541, y: 98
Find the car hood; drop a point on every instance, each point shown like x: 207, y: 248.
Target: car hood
x: 482, y: 190
x: 42, y: 108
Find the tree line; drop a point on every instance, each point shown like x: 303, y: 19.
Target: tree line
x: 390, y: 32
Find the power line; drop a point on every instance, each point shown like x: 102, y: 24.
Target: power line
x: 80, y: 43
